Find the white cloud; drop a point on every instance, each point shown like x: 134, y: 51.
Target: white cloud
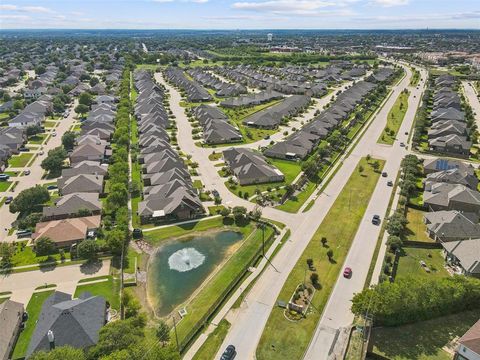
x: 35, y: 9
x: 14, y: 17
x: 8, y: 7
x: 285, y: 6
x: 389, y: 3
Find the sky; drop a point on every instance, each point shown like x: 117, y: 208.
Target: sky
x: 239, y: 14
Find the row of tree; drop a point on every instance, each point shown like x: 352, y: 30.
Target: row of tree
x: 414, y: 299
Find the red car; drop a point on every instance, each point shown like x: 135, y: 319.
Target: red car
x: 347, y: 272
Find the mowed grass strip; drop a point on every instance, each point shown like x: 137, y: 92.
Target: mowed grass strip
x: 21, y: 160
x: 283, y: 339
x: 33, y: 309
x: 394, y: 119
x: 211, y: 346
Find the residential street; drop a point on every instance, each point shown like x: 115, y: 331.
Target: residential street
x: 23, y: 284
x: 36, y: 173
x: 472, y: 98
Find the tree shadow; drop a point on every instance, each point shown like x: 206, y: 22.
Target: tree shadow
x: 332, y: 261
x: 49, y: 264
x: 91, y: 267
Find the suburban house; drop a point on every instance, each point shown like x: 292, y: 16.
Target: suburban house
x: 444, y: 196
x: 168, y: 193
x: 464, y: 255
x: 452, y: 176
x: 70, y: 205
x: 469, y: 344
x: 80, y: 183
x: 11, y: 317
x: 250, y: 167
x: 439, y: 164
x: 73, y: 322
x: 93, y: 151
x: 216, y: 126
x: 451, y: 225
x: 67, y: 232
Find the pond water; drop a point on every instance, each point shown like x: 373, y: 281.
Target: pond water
x: 179, y: 267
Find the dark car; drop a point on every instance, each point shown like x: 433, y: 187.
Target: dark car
x: 390, y: 183
x: 229, y: 353
x: 4, y: 177
x: 24, y: 149
x: 384, y: 174
x: 9, y: 199
x: 137, y: 233
x: 376, y: 220
x: 52, y: 187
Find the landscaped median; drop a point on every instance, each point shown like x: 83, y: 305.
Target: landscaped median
x: 285, y: 339
x: 395, y: 119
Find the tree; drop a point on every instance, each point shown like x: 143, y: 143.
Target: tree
x: 115, y: 240
x: 314, y: 279
x: 93, y: 81
x: 324, y: 241
x: 53, y: 163
x: 44, y: 246
x: 394, y: 242
x: 396, y: 224
x: 29, y: 200
x: 33, y: 130
x: 87, y: 249
x: 85, y: 99
x: 58, y: 105
x: 7, y: 251
x: 68, y: 140
x: 330, y: 254
x: 163, y: 332
x: 376, y: 165
x: 239, y: 212
x: 59, y: 353
x: 116, y: 336
x: 225, y: 212
x: 82, y: 109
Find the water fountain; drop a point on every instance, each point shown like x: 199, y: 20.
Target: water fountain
x: 186, y: 259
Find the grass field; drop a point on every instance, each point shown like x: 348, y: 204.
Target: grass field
x: 249, y: 134
x: 409, y: 263
x: 294, y: 204
x: 290, y: 169
x: 423, y: 340
x: 109, y: 289
x: 37, y: 139
x: 21, y: 160
x: 33, y: 308
x: 26, y: 256
x: 210, y: 347
x: 394, y: 119
x: 416, y: 228
x: 4, y: 185
x: 282, y: 339
x: 156, y: 236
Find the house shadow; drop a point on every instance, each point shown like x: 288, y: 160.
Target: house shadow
x: 91, y: 267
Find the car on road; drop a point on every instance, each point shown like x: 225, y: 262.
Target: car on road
x: 266, y: 137
x: 4, y: 177
x: 54, y: 134
x: 384, y: 174
x: 27, y: 172
x: 406, y: 132
x: 41, y: 152
x: 215, y: 193
x: 389, y: 183
x: 376, y: 220
x: 229, y: 353
x: 402, y: 144
x: 9, y: 199
x: 347, y: 273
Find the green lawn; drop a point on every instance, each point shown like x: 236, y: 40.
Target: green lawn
x: 237, y: 115
x: 109, y: 289
x: 4, y: 185
x: 50, y: 124
x: 24, y: 255
x: 290, y: 169
x: 415, y: 77
x: 294, y: 204
x: 394, y: 119
x: 416, y: 228
x: 211, y: 346
x: 197, y: 184
x: 230, y: 271
x: 215, y: 156
x: 409, y: 263
x: 154, y: 237
x: 33, y: 308
x: 21, y: 160
x: 37, y: 139
x: 423, y: 340
x: 283, y: 339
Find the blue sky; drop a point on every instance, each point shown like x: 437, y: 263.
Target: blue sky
x: 239, y: 14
